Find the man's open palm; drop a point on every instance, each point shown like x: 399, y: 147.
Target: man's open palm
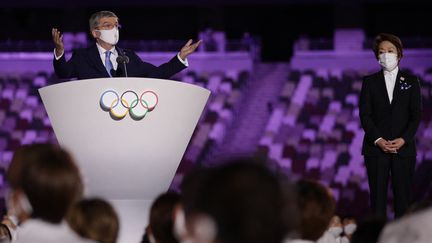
x: 58, y: 41
x: 189, y: 48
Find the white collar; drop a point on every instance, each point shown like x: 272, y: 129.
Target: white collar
x: 102, y: 50
x: 393, y: 72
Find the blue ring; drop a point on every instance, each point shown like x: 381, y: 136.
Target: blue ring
x: 109, y: 91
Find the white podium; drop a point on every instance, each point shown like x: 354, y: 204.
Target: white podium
x: 128, y: 136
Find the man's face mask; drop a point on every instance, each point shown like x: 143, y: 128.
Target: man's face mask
x: 109, y: 36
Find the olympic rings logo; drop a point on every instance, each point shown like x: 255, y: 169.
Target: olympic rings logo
x: 129, y: 102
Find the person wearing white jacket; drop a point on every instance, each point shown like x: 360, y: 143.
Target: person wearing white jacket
x: 48, y: 183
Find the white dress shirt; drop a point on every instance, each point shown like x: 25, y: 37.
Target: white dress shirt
x: 390, y: 81
x: 113, y: 57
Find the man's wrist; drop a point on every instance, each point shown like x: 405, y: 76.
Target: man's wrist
x: 58, y: 54
x: 185, y: 61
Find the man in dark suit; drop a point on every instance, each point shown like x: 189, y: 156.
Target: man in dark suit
x: 100, y: 60
x: 390, y: 113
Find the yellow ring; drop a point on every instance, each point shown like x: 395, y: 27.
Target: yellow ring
x: 119, y: 116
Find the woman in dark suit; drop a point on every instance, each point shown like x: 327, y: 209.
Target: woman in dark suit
x: 390, y: 112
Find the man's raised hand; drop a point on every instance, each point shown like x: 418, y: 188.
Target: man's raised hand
x: 189, y: 48
x: 58, y: 41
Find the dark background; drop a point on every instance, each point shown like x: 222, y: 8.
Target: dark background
x: 278, y: 23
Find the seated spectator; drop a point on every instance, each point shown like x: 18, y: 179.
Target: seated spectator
x: 21, y: 157
x: 239, y: 202
x: 17, y: 208
x: 332, y: 234
x: 49, y: 183
x: 413, y: 228
x: 191, y: 187
x: 316, y: 206
x: 349, y: 227
x: 161, y: 226
x: 94, y: 219
x: 5, y: 233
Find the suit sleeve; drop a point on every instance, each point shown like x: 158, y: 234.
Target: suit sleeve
x: 163, y: 71
x: 366, y: 109
x: 415, y: 113
x: 63, y: 68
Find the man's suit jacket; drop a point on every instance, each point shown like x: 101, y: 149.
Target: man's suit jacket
x: 86, y: 63
x: 379, y: 118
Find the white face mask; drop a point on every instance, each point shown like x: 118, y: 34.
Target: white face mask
x: 388, y: 61
x: 151, y: 238
x: 335, y: 231
x: 20, y: 206
x: 110, y: 36
x: 180, y: 224
x: 350, y: 228
x: 205, y: 229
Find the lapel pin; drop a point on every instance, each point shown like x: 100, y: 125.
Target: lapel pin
x: 402, y: 78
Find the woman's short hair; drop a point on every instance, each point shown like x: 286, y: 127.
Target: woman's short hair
x: 94, y: 219
x: 20, y: 157
x: 51, y: 181
x: 390, y: 38
x: 316, y: 207
x: 161, y: 217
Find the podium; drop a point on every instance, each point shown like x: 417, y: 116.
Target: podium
x: 128, y: 136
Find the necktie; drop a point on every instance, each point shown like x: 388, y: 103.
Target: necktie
x: 108, y: 63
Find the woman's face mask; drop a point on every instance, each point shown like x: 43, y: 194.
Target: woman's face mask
x: 335, y: 231
x: 350, y: 228
x: 388, y: 61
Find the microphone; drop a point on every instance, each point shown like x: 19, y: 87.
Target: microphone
x: 122, y: 59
